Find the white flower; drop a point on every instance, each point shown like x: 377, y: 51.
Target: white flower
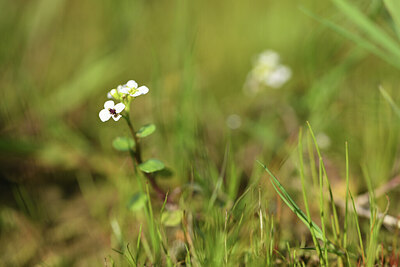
x: 278, y: 76
x: 119, y: 89
x: 131, y: 88
x: 234, y: 121
x: 113, y: 94
x: 267, y: 71
x: 111, y: 110
x: 269, y: 57
x: 323, y: 140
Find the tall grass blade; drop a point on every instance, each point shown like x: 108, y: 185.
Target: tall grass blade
x: 324, y: 173
x: 370, y: 28
x: 300, y: 148
x: 393, y: 6
x: 322, y: 209
x: 291, y: 204
x: 346, y: 200
x: 389, y: 99
x: 358, y: 228
x: 360, y: 41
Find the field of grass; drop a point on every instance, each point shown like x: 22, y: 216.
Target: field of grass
x: 252, y: 179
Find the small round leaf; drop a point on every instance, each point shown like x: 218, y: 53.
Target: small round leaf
x: 123, y: 143
x: 146, y: 130
x: 137, y: 201
x: 152, y: 165
x: 165, y: 173
x: 171, y: 217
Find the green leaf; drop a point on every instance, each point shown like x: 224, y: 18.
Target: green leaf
x: 137, y: 201
x: 123, y: 143
x: 369, y: 27
x: 393, y: 7
x: 389, y: 99
x: 171, y: 217
x: 291, y: 204
x: 165, y: 173
x: 311, y: 225
x: 356, y: 38
x: 152, y: 165
x: 146, y: 130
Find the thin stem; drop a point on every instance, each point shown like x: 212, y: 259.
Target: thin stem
x: 137, y: 157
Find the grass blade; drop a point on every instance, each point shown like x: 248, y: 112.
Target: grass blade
x: 346, y: 200
x: 360, y: 41
x: 300, y: 148
x: 358, y: 228
x: 366, y: 25
x: 393, y: 6
x: 336, y: 220
x: 389, y: 99
x: 290, y: 203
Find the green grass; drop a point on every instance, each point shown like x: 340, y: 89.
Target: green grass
x: 263, y: 194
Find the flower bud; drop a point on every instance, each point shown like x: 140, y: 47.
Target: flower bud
x: 114, y: 93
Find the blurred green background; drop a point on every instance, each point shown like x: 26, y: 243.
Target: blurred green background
x: 61, y: 181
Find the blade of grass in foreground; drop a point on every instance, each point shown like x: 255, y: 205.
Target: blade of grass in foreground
x: 291, y: 204
x: 393, y: 6
x: 152, y: 227
x: 346, y: 211
x: 299, y: 213
x: 321, y: 207
x: 366, y: 25
x: 358, y: 228
x: 324, y: 173
x: 300, y: 148
x: 360, y: 41
x: 389, y: 99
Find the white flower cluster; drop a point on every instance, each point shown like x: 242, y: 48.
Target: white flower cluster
x: 124, y: 94
x: 130, y: 88
x: 267, y: 71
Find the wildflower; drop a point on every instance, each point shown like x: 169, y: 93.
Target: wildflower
x: 113, y: 94
x: 267, y: 71
x: 111, y: 110
x: 323, y: 140
x: 125, y: 92
x: 131, y: 88
x: 234, y: 121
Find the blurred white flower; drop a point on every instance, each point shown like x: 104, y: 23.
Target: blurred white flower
x: 269, y: 57
x: 278, y: 77
x: 323, y: 140
x: 234, y: 121
x: 131, y: 88
x: 267, y: 71
x: 111, y: 111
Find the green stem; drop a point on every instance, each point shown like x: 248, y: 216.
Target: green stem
x: 137, y: 157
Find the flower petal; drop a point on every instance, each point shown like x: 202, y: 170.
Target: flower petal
x: 269, y: 58
x: 143, y: 90
x: 137, y: 93
x: 119, y: 107
x: 279, y: 76
x: 114, y: 94
x: 104, y: 115
x: 131, y: 84
x: 116, y: 118
x: 124, y: 90
x: 109, y: 104
x: 109, y: 96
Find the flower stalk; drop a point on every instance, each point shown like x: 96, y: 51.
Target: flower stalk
x: 123, y: 95
x: 136, y: 156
